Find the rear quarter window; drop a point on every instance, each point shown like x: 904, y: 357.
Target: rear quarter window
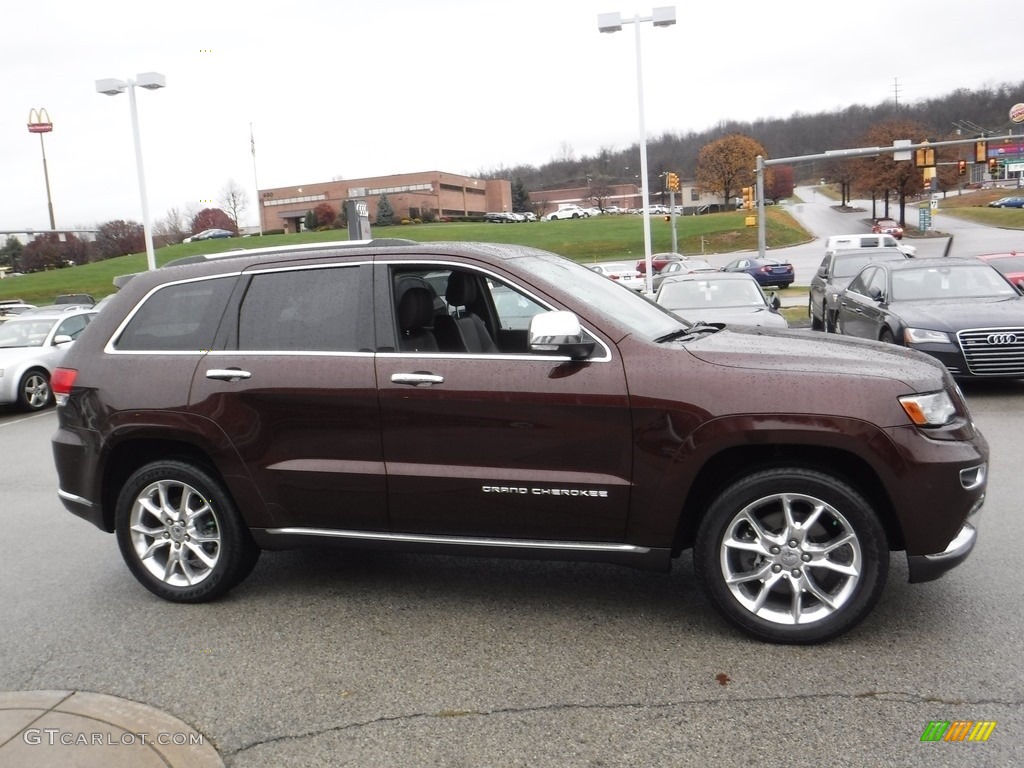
x: 177, y: 317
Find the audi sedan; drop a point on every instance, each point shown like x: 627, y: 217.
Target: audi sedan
x: 961, y: 311
x: 31, y: 346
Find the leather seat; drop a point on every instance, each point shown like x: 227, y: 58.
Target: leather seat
x: 415, y: 301
x: 464, y: 331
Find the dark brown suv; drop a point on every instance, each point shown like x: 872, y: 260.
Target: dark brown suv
x: 499, y: 400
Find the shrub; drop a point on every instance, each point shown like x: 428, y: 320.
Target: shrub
x: 274, y: 232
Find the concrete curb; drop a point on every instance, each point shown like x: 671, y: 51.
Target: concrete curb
x: 39, y: 729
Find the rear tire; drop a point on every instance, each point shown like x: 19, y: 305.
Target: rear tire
x: 792, y: 555
x: 180, y: 533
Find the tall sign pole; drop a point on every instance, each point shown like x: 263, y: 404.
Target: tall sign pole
x: 39, y: 122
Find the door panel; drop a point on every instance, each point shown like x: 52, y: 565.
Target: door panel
x: 508, y: 445
x: 302, y: 411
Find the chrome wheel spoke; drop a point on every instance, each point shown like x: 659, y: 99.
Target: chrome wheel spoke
x: 790, y: 558
x: 182, y: 546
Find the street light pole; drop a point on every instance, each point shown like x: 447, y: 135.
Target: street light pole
x: 150, y: 81
x: 612, y: 22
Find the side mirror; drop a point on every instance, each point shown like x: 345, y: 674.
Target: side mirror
x: 876, y: 294
x: 776, y: 302
x: 822, y: 271
x: 62, y: 339
x: 559, y: 333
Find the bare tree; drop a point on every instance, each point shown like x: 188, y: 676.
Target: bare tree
x: 233, y: 200
x: 174, y: 225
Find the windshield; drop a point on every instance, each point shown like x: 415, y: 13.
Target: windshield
x: 707, y: 294
x: 849, y: 264
x: 644, y: 317
x: 1008, y: 264
x: 940, y: 283
x: 24, y: 333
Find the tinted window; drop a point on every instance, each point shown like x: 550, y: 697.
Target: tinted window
x: 312, y: 310
x: 178, y: 317
x: 73, y: 326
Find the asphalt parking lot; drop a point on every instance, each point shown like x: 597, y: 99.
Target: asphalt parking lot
x: 356, y: 658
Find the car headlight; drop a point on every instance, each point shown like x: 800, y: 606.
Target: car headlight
x: 923, y: 336
x: 932, y: 410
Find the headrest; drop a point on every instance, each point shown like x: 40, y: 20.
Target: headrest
x: 461, y: 290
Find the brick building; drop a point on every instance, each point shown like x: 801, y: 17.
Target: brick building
x: 411, y: 195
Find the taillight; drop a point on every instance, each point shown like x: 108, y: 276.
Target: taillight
x: 766, y: 269
x: 614, y: 277
x: 61, y: 382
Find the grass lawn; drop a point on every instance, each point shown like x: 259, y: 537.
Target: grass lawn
x: 585, y: 240
x: 973, y: 206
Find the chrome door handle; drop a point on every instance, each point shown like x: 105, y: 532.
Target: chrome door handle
x: 417, y: 379
x: 227, y: 374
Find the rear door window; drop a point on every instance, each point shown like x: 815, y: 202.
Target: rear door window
x: 177, y: 317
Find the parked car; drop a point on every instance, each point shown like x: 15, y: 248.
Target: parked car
x: 567, y: 212
x: 1007, y: 202
x: 623, y: 273
x: 1010, y: 265
x: 675, y: 269
x: 658, y: 261
x: 836, y: 271
x: 767, y: 272
x: 282, y: 398
x: 10, y: 309
x: 843, y: 242
x: 500, y: 217
x: 81, y: 299
x: 887, y: 227
x: 961, y: 311
x: 30, y: 349
x: 209, y: 234
x: 528, y: 215
x: 720, y: 297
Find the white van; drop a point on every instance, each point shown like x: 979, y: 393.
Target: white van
x: 842, y: 242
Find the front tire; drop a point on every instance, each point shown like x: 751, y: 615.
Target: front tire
x: 34, y: 391
x: 792, y: 555
x: 887, y: 337
x: 180, y: 533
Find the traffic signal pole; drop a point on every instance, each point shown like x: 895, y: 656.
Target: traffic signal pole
x: 840, y: 154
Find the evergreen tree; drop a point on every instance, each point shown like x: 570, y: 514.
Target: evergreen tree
x: 385, y: 213
x: 520, y: 197
x: 10, y: 252
x: 310, y: 221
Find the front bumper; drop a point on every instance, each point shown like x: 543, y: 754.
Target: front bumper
x: 930, y: 567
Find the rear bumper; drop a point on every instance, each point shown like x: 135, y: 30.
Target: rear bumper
x: 930, y: 567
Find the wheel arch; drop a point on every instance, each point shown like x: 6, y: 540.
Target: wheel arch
x: 721, y: 470
x: 128, y: 456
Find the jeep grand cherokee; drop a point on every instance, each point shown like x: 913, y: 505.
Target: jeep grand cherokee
x: 500, y: 400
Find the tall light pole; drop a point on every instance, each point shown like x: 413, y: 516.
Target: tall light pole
x: 39, y: 122
x: 150, y: 81
x: 612, y: 22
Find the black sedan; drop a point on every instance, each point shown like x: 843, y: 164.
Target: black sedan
x: 767, y: 272
x: 961, y: 311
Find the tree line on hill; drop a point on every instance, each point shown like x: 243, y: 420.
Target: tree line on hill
x: 962, y: 112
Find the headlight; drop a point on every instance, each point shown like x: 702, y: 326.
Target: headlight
x: 931, y: 410
x: 922, y: 336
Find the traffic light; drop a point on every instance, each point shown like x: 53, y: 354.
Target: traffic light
x: 961, y: 168
x: 673, y: 182
x: 993, y: 165
x: 748, y: 198
x: 924, y: 157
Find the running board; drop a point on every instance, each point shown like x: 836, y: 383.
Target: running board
x: 647, y: 558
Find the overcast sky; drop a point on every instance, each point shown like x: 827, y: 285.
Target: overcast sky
x: 336, y: 88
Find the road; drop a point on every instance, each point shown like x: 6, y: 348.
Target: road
x: 329, y: 658
x: 818, y: 215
